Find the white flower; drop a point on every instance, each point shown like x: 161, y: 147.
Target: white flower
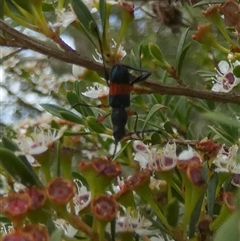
x: 144, y: 154
x: 158, y: 238
x: 99, y: 58
x: 39, y: 142
x: 116, y: 50
x: 227, y: 161
x: 78, y: 71
x: 66, y: 227
x: 96, y: 91
x: 133, y: 222
x: 236, y: 180
x: 6, y: 228
x: 65, y: 18
x: 120, y: 185
x: 225, y: 81
x: 189, y: 155
x: 4, y: 186
x: 149, y: 158
x: 120, y: 52
x: 186, y: 154
x: 83, y: 197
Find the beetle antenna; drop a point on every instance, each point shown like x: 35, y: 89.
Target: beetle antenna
x: 103, y: 59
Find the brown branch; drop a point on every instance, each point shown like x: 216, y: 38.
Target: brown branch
x: 165, y: 89
x: 20, y: 40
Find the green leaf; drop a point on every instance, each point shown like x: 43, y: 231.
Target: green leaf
x: 46, y: 7
x: 79, y: 104
x: 230, y: 229
x: 17, y: 169
x: 236, y: 71
x: 94, y: 126
x: 211, y: 190
x: 173, y: 212
x: 5, y: 58
x: 180, y: 61
x: 206, y: 2
x: 53, y: 109
x: 63, y: 113
x: 222, y: 119
x: 118, y: 154
x: 225, y: 136
x: 168, y: 127
x: 21, y: 5
x: 9, y: 144
x: 152, y: 111
x: 85, y: 17
x: 1, y: 9
x: 198, y: 107
x: 181, y: 51
x: 69, y: 116
x: 156, y: 52
x: 104, y: 14
x: 206, y: 74
x: 195, y: 217
x: 56, y: 235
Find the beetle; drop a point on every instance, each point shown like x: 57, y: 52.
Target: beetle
x: 120, y: 87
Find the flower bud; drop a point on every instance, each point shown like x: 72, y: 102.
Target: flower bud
x: 37, y: 196
x: 208, y: 148
x: 60, y: 190
x: 138, y: 179
x: 205, y: 35
x: 18, y: 236
x: 15, y: 206
x: 104, y: 207
x: 231, y: 10
x: 194, y: 174
x: 39, y: 233
x: 228, y: 198
x: 204, y: 229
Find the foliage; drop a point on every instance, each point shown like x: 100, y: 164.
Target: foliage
x: 176, y: 172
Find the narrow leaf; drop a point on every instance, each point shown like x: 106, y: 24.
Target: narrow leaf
x: 212, y: 185
x: 168, y: 127
x: 104, y: 16
x: 156, y: 53
x: 53, y: 109
x: 94, y: 126
x: 69, y: 116
x: 9, y: 144
x: 223, y: 135
x: 195, y: 217
x: 173, y: 212
x: 222, y: 118
x: 84, y: 16
x: 56, y: 235
x: 181, y: 53
x: 77, y: 102
x: 17, y: 169
x: 152, y: 111
x: 182, y: 57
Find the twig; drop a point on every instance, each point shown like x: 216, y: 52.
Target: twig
x: 20, y: 40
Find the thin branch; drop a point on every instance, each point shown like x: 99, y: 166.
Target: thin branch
x: 23, y: 41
